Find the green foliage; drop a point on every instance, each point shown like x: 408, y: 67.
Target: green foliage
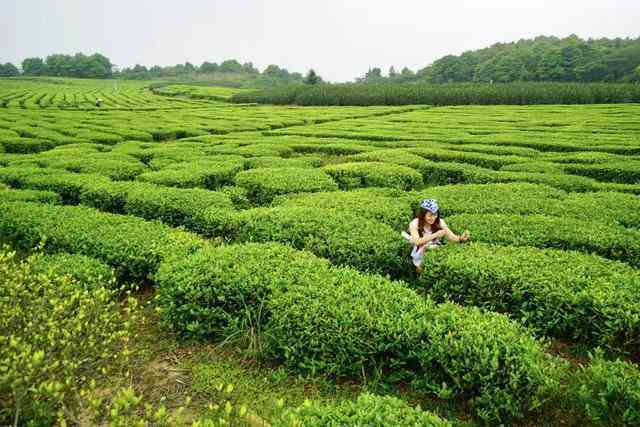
x: 374, y: 174
x: 329, y: 320
x: 204, y: 174
x: 8, y: 195
x: 445, y: 94
x: 540, y: 59
x: 210, y: 293
x: 342, y: 238
x: 568, y: 295
x: 173, y: 206
x: 133, y: 247
x: 368, y: 409
x: 88, y: 272
x: 266, y: 183
x: 610, y: 241
x: 55, y: 336
x: 607, y: 393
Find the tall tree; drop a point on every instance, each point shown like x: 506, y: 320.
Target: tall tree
x: 312, y: 78
x: 8, y: 70
x: 34, y: 67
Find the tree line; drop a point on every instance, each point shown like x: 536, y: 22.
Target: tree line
x: 98, y: 66
x: 541, y: 59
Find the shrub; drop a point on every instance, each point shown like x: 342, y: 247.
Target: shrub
x: 610, y: 241
x: 478, y: 159
x: 388, y: 206
x: 367, y: 324
x: 204, y: 295
x: 374, y: 174
x: 203, y: 174
x: 512, y: 198
x: 89, y: 272
x: 29, y: 196
x: 368, y: 409
x: 567, y: 295
x: 328, y: 320
x: 624, y: 172
x: 133, y: 247
x: 264, y: 184
x: 47, y: 351
x: 607, y: 393
x: 342, y: 238
x: 173, y: 206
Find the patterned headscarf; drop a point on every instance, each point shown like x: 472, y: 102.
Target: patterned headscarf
x: 430, y: 204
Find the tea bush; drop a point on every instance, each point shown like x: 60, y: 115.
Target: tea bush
x: 340, y: 237
x: 608, y: 240
x: 564, y: 294
x: 55, y: 335
x: 374, y: 174
x: 265, y: 184
x: 368, y: 409
x: 133, y: 247
x: 607, y: 392
x: 328, y: 320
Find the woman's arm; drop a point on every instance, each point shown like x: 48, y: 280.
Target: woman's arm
x: 450, y: 235
x: 418, y: 241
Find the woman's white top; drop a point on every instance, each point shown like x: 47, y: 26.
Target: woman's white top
x: 417, y: 253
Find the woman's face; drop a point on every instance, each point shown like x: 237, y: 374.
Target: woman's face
x: 430, y: 217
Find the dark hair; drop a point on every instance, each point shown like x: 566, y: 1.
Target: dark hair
x: 422, y: 222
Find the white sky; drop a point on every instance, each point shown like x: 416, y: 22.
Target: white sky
x: 341, y: 39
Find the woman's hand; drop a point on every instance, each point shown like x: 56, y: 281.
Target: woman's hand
x: 465, y: 236
x: 439, y: 234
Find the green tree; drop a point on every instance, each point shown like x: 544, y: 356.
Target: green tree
x: 230, y: 66
x: 34, y: 67
x: 312, y: 78
x: 8, y: 70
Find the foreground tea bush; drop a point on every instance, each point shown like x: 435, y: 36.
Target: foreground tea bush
x: 318, y: 319
x: 607, y: 393
x: 133, y: 247
x: 55, y: 335
x: 565, y: 294
x: 368, y: 409
x: 374, y: 174
x: 264, y: 184
x: 341, y: 237
x: 90, y: 272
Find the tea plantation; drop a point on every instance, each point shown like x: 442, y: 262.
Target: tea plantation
x: 171, y: 217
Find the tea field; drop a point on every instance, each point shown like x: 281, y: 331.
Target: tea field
x: 249, y: 257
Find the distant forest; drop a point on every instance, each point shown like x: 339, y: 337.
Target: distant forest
x: 544, y: 59
x: 97, y: 66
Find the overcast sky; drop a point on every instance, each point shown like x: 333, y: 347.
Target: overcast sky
x: 341, y: 39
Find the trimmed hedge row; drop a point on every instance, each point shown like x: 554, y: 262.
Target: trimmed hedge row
x: 174, y: 206
x: 607, y: 393
x: 340, y: 237
x: 565, y: 294
x: 368, y: 410
x: 133, y: 247
x: 9, y: 195
x: 388, y: 206
x: 204, y: 174
x: 374, y: 174
x: 607, y: 240
x: 444, y: 94
x: 266, y: 183
x: 478, y: 159
x: 336, y: 321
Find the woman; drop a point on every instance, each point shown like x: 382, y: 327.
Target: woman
x: 427, y: 231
